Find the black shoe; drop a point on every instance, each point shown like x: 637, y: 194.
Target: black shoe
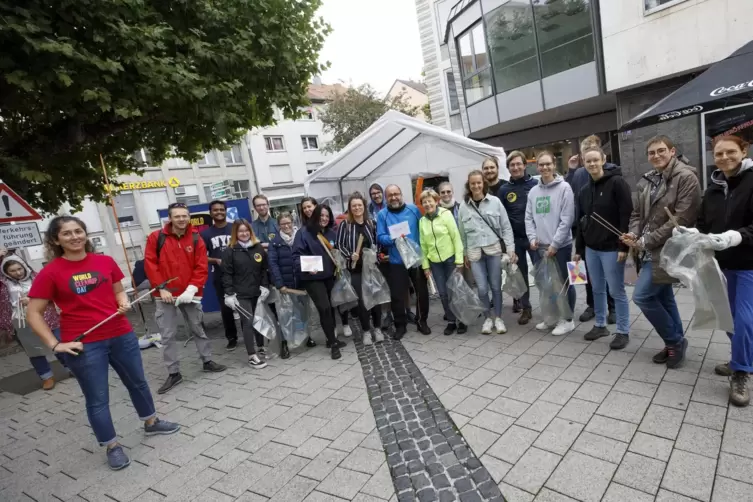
x: 261, y: 353
x: 411, y: 317
x: 213, y: 367
x: 525, y: 317
x: 661, y: 356
x: 310, y: 343
x: 612, y: 317
x: 619, y: 342
x: 231, y: 345
x: 516, y: 306
x: 284, y: 352
x: 399, y: 333
x: 336, y: 353
x: 339, y: 344
x: 596, y: 333
x: 173, y: 379
x: 450, y: 329
x: 587, y: 315
x: 423, y: 328
x: 462, y: 328
x: 677, y: 354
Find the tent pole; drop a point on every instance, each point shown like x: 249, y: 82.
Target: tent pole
x: 342, y: 197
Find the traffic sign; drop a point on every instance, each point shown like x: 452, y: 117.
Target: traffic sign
x: 20, y: 235
x: 13, y: 208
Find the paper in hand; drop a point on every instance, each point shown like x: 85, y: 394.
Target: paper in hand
x: 399, y: 229
x: 312, y: 264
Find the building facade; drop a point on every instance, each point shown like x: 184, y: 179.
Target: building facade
x: 413, y: 93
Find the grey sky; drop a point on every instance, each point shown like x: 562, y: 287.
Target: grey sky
x: 373, y: 41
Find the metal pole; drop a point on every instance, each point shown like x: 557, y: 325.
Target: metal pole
x: 115, y: 214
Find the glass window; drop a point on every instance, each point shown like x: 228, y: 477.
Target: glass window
x: 153, y: 201
x: 474, y: 64
x: 313, y: 166
x: 466, y: 53
x: 281, y: 173
x: 143, y: 157
x: 233, y: 156
x: 452, y: 92
x: 187, y: 194
x: 125, y: 205
x: 307, y: 114
x: 478, y: 86
x: 241, y: 189
x: 208, y: 160
x: 650, y: 6
x: 512, y: 44
x: 310, y: 142
x: 565, y: 34
x: 274, y: 143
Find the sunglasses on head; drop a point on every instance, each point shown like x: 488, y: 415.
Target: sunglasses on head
x: 178, y: 205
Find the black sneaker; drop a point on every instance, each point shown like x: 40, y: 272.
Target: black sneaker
x: 677, y: 354
x: 173, y: 379
x: 310, y: 343
x: 661, y: 356
x: 261, y: 353
x: 423, y: 328
x: 450, y: 329
x: 284, y: 351
x: 612, y: 317
x: 587, y: 315
x: 336, y: 353
x: 516, y: 306
x: 399, y: 333
x: 411, y: 317
x: 338, y: 343
x: 231, y: 345
x: 462, y: 328
x: 256, y: 362
x: 596, y: 333
x: 213, y: 367
x: 619, y: 342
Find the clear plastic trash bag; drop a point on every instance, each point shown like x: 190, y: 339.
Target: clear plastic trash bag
x: 690, y: 258
x: 292, y: 315
x: 274, y: 295
x: 464, y: 302
x: 343, y: 294
x: 409, y: 251
x: 515, y: 284
x: 374, y: 289
x: 552, y: 291
x: 264, y: 321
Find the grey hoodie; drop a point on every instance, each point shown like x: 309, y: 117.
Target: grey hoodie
x: 550, y: 213
x: 18, y: 289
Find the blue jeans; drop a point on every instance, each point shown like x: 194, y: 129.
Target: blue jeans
x: 657, y: 302
x: 604, y: 270
x: 91, y: 370
x: 740, y: 290
x: 441, y: 273
x: 523, y: 250
x: 564, y: 255
x: 40, y: 363
x: 487, y: 273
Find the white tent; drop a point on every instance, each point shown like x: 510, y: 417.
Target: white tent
x: 398, y: 149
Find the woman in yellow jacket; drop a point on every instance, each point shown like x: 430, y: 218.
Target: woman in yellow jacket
x: 442, y: 249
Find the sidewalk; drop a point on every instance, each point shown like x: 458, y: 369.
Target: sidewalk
x: 549, y: 418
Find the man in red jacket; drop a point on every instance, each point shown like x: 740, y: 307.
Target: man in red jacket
x: 177, y: 251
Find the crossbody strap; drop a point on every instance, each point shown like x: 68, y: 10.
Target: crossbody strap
x: 501, y: 240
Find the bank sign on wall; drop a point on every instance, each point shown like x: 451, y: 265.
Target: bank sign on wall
x: 145, y: 185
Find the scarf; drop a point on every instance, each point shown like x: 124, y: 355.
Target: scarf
x: 448, y: 205
x: 247, y: 244
x: 288, y: 239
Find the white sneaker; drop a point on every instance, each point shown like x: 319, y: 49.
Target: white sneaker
x: 499, y: 325
x: 486, y: 329
x: 563, y: 327
x: 543, y: 326
x: 367, y: 338
x: 255, y: 362
x: 347, y: 332
x: 378, y: 335
x: 236, y: 316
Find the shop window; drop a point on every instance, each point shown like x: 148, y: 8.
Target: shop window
x: 474, y: 64
x: 512, y: 45
x: 564, y: 33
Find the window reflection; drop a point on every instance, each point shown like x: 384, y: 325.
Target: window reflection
x: 512, y: 44
x: 564, y: 34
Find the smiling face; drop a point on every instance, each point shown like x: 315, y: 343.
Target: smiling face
x: 429, y: 204
x: 356, y: 208
x: 308, y: 208
x: 659, y: 154
x: 446, y: 193
x: 218, y: 213
x: 517, y: 168
x: 491, y: 171
x: 324, y: 219
x: 594, y: 163
x: 286, y: 226
x: 72, y: 237
x: 476, y: 185
x: 244, y: 233
x: 261, y: 206
x: 728, y: 155
x: 394, y: 196
x: 180, y: 218
x: 545, y: 167
x: 376, y: 195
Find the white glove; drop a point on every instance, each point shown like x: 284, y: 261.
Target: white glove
x: 186, y: 296
x: 725, y: 240
x: 264, y: 293
x: 684, y: 230
x: 231, y: 302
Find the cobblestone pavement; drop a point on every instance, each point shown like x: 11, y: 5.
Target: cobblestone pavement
x: 549, y: 418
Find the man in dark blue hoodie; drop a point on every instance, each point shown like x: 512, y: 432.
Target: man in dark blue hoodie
x: 514, y: 196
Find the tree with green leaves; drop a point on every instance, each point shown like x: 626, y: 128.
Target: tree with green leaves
x: 352, y: 112
x: 176, y: 77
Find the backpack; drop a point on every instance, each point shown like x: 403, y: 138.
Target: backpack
x: 162, y: 237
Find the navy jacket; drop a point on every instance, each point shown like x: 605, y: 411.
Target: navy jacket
x: 514, y: 196
x: 281, y: 268
x: 307, y: 244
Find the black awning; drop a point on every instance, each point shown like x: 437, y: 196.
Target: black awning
x: 726, y: 83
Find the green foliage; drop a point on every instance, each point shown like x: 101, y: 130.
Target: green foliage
x: 352, y: 112
x: 176, y: 77
x: 427, y: 112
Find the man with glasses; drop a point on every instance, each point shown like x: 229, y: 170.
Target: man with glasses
x: 670, y: 184
x: 177, y: 252
x: 264, y: 226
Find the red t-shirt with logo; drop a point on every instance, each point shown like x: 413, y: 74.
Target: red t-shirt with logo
x: 83, y: 292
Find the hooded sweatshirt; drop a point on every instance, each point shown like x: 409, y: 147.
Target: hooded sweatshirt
x: 610, y: 198
x: 550, y: 212
x: 373, y: 207
x: 580, y: 179
x: 18, y: 289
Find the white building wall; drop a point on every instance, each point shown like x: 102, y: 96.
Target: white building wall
x: 691, y: 34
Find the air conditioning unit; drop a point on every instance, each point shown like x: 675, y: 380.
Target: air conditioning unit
x: 180, y: 190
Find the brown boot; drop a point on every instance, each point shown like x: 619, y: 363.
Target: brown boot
x: 48, y: 384
x: 525, y: 317
x: 739, y: 393
x: 723, y: 370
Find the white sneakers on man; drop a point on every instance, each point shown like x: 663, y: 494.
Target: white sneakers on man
x: 378, y: 335
x: 543, y: 326
x: 367, y: 338
x: 499, y: 325
x: 486, y: 329
x: 347, y: 332
x: 563, y: 327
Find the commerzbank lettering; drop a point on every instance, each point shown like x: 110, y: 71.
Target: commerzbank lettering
x: 720, y: 91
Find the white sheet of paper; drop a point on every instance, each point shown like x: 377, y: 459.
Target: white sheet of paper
x: 312, y: 264
x: 399, y: 229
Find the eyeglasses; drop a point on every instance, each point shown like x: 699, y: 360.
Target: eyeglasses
x: 445, y: 192
x: 374, y: 194
x: 655, y: 153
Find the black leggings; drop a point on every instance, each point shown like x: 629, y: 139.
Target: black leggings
x: 319, y: 291
x: 363, y: 314
x: 247, y: 325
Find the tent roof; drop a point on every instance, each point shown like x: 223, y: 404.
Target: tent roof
x: 385, y: 138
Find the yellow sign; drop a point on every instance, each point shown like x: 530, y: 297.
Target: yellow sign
x: 173, y: 182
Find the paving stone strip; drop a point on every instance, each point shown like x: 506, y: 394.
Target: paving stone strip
x: 428, y: 457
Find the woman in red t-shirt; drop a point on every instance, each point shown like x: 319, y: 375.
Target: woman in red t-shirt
x: 86, y: 287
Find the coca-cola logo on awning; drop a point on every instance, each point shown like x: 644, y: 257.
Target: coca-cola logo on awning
x: 680, y: 113
x: 720, y: 91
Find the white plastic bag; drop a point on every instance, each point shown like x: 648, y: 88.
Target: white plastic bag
x: 409, y: 251
x: 515, y: 284
x: 374, y: 289
x: 464, y: 302
x: 690, y: 258
x: 552, y: 291
x: 291, y: 312
x: 343, y: 294
x: 264, y: 321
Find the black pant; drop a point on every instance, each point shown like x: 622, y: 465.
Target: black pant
x: 590, y: 297
x: 399, y: 280
x: 363, y: 314
x: 319, y: 291
x: 228, y: 321
x: 247, y: 325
